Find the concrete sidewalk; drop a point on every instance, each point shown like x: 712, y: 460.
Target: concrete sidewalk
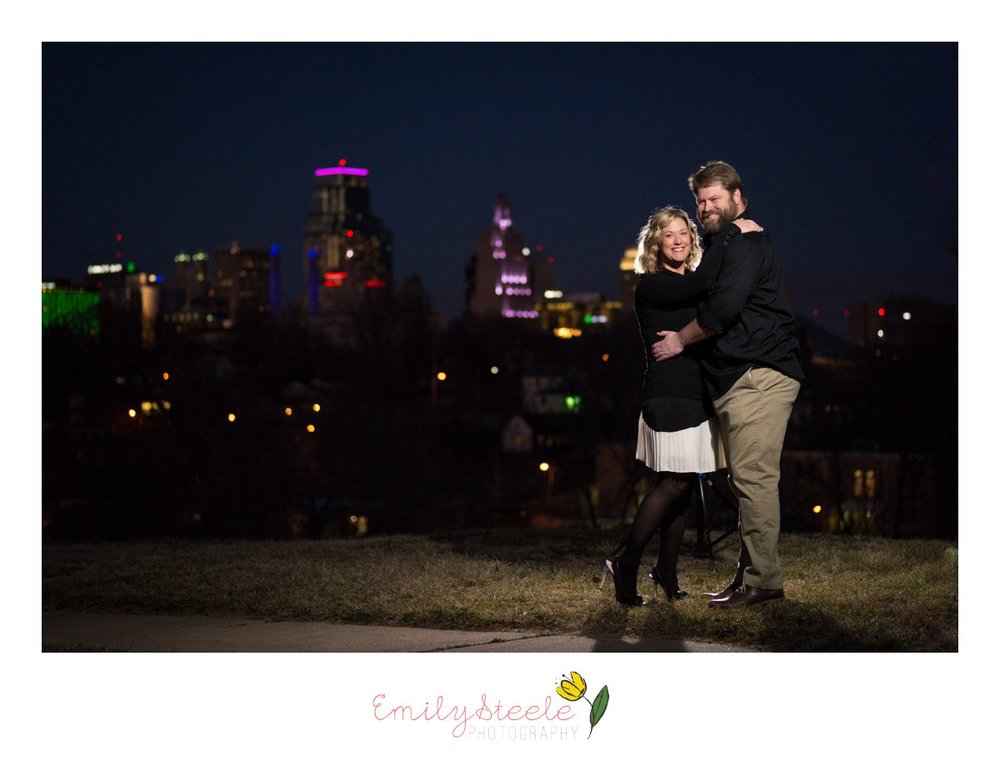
x: 123, y: 632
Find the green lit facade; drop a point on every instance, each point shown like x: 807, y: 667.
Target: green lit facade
x: 71, y: 308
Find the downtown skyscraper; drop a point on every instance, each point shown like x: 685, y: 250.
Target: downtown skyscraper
x: 347, y: 253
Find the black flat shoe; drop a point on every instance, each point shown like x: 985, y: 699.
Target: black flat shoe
x: 625, y: 595
x: 672, y: 594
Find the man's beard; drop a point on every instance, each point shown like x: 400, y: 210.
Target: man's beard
x: 713, y: 223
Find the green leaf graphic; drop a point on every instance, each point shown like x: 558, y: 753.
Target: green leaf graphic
x: 597, y: 708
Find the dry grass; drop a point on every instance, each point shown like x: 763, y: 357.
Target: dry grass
x: 844, y: 593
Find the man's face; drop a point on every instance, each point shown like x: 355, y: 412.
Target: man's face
x: 717, y: 207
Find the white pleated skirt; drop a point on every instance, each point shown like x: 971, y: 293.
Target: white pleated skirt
x: 692, y: 450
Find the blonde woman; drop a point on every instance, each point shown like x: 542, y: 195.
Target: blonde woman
x: 678, y: 432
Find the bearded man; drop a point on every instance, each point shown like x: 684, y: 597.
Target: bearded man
x: 753, y: 375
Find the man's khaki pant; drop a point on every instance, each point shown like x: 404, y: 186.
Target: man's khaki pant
x: 753, y: 416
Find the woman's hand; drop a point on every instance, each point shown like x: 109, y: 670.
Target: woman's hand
x: 748, y: 226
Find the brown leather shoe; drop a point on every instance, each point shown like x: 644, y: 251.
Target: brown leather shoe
x: 746, y: 595
x: 733, y: 586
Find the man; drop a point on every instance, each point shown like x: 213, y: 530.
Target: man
x: 752, y: 372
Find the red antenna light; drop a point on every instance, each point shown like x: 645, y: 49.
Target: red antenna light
x: 350, y: 233
x: 342, y: 162
x: 881, y: 311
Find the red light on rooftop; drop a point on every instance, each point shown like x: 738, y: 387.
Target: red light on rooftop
x: 342, y: 162
x: 350, y: 233
x: 881, y: 311
x: 118, y: 237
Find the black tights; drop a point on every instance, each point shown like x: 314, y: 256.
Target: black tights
x: 665, y: 508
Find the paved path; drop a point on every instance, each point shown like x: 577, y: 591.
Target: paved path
x: 123, y: 632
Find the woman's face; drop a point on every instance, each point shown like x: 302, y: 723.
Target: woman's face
x: 675, y: 243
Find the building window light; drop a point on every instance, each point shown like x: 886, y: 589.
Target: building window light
x: 870, y: 483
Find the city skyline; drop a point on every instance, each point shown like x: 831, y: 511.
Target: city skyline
x: 188, y: 146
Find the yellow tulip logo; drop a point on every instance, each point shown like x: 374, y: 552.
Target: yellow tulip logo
x: 575, y: 687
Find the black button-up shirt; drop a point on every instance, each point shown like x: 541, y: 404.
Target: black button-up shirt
x: 748, y: 306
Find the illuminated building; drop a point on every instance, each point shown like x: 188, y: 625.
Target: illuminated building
x: 73, y: 308
x: 127, y: 296
x: 898, y: 322
x: 192, y: 275
x: 347, y: 253
x: 505, y: 278
x: 574, y: 314
x: 629, y: 278
x: 216, y: 292
x: 242, y: 279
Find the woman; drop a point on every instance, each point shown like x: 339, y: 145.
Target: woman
x: 678, y: 434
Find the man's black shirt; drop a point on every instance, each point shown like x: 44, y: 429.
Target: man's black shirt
x: 748, y: 307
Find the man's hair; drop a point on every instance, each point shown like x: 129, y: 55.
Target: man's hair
x: 647, y: 258
x: 717, y: 173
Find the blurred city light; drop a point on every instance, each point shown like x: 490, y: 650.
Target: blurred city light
x: 544, y: 467
x: 442, y: 376
x: 231, y: 417
x: 567, y: 332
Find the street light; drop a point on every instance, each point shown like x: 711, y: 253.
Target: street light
x: 550, y: 472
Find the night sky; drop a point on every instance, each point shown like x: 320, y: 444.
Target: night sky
x: 849, y: 152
